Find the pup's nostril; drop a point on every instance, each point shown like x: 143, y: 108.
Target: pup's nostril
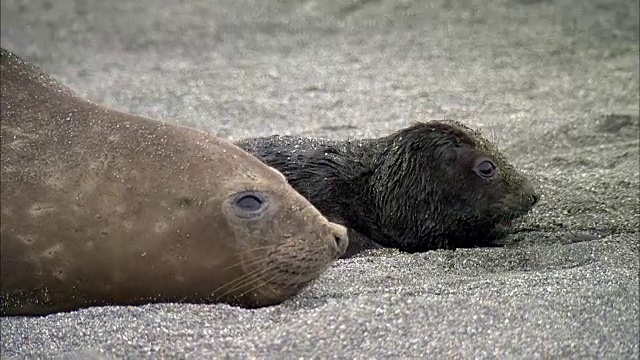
x: 535, y: 198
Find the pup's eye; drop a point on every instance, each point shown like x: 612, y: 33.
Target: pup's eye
x: 486, y: 169
x: 249, y: 202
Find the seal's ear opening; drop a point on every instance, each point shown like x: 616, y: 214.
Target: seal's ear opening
x: 249, y: 204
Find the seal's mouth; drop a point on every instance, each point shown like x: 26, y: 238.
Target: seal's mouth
x: 508, y: 226
x: 288, y: 271
x: 499, y: 230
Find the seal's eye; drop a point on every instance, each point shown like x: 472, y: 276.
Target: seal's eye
x: 249, y: 202
x: 486, y: 169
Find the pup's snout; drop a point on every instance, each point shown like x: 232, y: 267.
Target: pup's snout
x: 339, y: 238
x: 535, y: 197
x: 530, y: 194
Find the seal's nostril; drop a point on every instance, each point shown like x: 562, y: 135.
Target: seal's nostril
x: 341, y: 243
x: 338, y: 238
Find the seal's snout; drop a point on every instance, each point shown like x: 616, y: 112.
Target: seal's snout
x: 340, y: 239
x: 341, y: 244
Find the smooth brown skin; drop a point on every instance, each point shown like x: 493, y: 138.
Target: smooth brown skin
x: 100, y: 207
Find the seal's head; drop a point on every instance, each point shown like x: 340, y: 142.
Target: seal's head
x: 101, y: 207
x: 282, y: 243
x: 441, y: 184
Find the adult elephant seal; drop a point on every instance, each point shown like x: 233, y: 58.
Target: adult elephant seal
x: 434, y: 185
x: 105, y: 208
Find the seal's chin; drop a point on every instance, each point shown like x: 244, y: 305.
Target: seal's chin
x: 498, y: 235
x: 284, y: 288
x: 502, y: 228
x: 491, y: 235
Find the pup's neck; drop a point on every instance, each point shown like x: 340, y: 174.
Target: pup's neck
x: 351, y: 166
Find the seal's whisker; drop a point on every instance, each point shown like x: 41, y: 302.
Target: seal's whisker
x: 266, y: 247
x: 290, y: 282
x: 243, y: 281
x: 249, y: 261
x: 248, y: 280
x: 221, y: 296
x: 262, y: 283
x: 298, y: 279
x: 236, y: 280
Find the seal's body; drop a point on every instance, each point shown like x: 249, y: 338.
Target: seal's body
x: 101, y: 207
x: 434, y: 185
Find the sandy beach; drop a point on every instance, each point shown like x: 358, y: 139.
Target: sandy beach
x: 554, y: 82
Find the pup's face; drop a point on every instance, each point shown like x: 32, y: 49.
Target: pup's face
x: 445, y: 186
x: 489, y: 193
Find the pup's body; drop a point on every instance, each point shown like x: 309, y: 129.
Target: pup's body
x: 418, y: 189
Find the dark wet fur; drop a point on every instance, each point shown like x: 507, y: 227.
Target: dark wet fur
x: 415, y: 190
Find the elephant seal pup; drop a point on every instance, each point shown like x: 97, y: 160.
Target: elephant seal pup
x: 434, y: 185
x: 104, y: 208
